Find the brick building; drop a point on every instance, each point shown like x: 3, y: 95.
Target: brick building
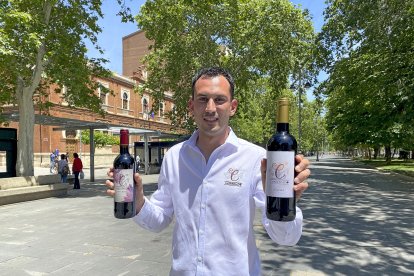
x: 125, y: 108
x: 134, y: 47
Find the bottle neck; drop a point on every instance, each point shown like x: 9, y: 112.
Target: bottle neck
x: 123, y: 149
x: 280, y: 127
x: 283, y: 116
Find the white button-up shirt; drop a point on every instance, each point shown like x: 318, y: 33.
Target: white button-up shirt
x: 214, y: 206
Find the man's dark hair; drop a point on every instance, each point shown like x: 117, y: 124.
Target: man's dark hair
x: 75, y: 155
x: 212, y: 72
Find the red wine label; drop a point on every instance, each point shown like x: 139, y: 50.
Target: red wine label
x: 124, y: 185
x: 280, y: 173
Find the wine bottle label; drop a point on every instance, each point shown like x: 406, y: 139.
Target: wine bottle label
x: 124, y: 185
x: 280, y: 173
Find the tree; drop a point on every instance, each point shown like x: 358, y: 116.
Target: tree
x: 261, y: 42
x: 101, y: 139
x: 42, y: 42
x: 368, y: 47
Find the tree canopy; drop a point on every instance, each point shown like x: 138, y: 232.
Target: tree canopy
x: 43, y: 42
x: 369, y: 53
x: 262, y: 43
x: 101, y: 139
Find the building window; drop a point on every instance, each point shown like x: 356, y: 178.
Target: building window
x: 162, y: 109
x: 125, y: 99
x: 64, y: 95
x: 101, y: 93
x: 64, y: 90
x: 145, y: 107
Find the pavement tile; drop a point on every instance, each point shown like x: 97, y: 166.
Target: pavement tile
x: 358, y: 221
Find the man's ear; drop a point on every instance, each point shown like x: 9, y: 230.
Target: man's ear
x: 233, y: 107
x: 190, y: 105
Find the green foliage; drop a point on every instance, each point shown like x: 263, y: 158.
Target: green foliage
x: 101, y: 139
x: 43, y: 42
x: 47, y: 38
x: 369, y: 53
x: 261, y: 42
x: 405, y: 167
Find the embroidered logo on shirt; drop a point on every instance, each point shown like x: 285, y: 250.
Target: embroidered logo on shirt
x: 233, y: 177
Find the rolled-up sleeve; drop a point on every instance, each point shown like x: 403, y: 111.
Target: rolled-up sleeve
x: 284, y: 233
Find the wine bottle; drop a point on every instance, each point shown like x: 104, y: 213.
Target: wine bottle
x: 280, y: 172
x: 124, y: 200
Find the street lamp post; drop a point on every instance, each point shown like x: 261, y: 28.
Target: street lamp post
x: 317, y: 139
x: 300, y: 91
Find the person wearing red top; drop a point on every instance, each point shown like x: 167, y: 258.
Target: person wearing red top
x: 76, y: 169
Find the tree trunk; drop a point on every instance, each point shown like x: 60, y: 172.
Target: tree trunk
x: 394, y: 152
x: 24, y: 94
x: 25, y: 158
x: 388, y: 154
x: 376, y: 151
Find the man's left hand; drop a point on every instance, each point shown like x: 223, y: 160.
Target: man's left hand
x: 302, y: 173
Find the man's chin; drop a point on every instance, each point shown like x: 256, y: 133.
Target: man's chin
x: 213, y: 132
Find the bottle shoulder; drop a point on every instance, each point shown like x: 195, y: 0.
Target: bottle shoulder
x: 124, y: 159
x: 282, y: 141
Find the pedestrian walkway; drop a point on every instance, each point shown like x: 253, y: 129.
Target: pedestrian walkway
x: 358, y: 221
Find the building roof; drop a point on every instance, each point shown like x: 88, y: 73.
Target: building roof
x: 74, y: 124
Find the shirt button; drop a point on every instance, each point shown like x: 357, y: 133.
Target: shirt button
x: 203, y: 206
x: 201, y: 232
x: 199, y: 259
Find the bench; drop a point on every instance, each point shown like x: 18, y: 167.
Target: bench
x: 25, y: 188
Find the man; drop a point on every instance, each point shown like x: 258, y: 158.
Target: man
x: 212, y: 184
x: 63, y: 168
x: 52, y: 162
x: 77, y: 168
x: 137, y: 162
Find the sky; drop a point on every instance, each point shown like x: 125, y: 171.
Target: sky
x: 110, y: 39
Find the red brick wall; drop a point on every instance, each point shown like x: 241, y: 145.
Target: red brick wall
x: 134, y: 48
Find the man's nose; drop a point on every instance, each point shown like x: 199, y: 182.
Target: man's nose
x: 211, y: 106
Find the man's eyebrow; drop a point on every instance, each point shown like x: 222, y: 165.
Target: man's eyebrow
x: 201, y: 94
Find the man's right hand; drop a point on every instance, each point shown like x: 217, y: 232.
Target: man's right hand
x: 139, y: 198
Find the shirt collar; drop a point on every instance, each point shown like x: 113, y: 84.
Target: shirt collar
x: 231, y: 139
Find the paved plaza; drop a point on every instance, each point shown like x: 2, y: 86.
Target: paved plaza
x: 358, y: 221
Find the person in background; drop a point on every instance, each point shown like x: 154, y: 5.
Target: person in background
x: 77, y: 167
x: 63, y: 168
x: 52, y: 162
x: 211, y: 185
x: 137, y: 162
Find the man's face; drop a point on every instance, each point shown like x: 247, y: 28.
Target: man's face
x: 212, y: 106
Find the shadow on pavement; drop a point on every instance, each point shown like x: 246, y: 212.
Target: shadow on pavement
x: 98, y: 188
x: 358, y: 221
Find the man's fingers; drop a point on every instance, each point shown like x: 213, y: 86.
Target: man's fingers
x: 302, y: 176
x: 138, y: 179
x: 301, y: 163
x: 110, y: 186
x: 110, y: 172
x: 298, y: 158
x: 300, y: 188
x: 301, y: 168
